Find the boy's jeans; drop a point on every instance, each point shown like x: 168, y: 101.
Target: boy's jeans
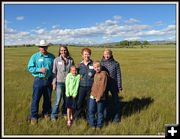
x: 96, y: 108
x: 41, y: 87
x: 60, y: 93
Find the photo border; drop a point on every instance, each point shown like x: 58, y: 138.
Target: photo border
x: 91, y: 136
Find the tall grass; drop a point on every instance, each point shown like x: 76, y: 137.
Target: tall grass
x: 148, y: 99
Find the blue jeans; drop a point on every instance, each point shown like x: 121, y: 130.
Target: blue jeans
x: 96, y: 108
x: 60, y: 93
x: 41, y: 87
x: 82, y: 101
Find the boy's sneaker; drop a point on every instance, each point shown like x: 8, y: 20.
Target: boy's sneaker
x: 33, y: 121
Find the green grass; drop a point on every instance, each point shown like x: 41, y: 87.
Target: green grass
x: 148, y: 99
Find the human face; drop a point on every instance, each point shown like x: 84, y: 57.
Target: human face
x: 73, y: 70
x: 106, y: 55
x: 43, y: 49
x: 63, y: 52
x: 86, y: 56
x: 97, y: 67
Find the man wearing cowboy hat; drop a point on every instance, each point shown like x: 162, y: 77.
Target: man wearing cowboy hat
x: 40, y: 65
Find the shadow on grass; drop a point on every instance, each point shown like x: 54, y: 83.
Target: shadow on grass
x: 127, y: 108
x: 135, y: 105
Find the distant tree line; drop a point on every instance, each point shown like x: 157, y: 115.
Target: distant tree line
x: 23, y: 45
x: 127, y: 43
x: 121, y: 44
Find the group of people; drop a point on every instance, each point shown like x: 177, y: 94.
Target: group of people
x: 83, y: 89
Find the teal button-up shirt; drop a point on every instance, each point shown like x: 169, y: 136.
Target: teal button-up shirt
x: 38, y: 61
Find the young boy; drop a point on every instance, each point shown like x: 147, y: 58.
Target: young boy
x: 114, y: 83
x: 72, y: 84
x: 97, y: 97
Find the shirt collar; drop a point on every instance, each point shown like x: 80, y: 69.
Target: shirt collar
x: 88, y: 61
x: 46, y: 55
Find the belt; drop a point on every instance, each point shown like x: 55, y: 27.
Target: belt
x: 41, y: 78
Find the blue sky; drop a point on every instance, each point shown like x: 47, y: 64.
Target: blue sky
x: 88, y: 23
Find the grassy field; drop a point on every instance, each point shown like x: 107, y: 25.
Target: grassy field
x: 148, y: 100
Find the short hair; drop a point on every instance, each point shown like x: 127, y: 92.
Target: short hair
x: 108, y: 50
x: 73, y: 66
x: 97, y: 62
x: 87, y: 50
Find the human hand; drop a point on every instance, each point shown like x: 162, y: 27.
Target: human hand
x: 54, y: 86
x: 43, y: 70
x: 97, y: 100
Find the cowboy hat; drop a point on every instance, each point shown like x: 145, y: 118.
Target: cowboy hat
x: 43, y: 43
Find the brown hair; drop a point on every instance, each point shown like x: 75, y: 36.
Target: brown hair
x: 87, y: 50
x: 65, y: 47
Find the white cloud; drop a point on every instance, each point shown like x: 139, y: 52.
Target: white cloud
x: 117, y: 18
x: 132, y: 21
x: 6, y: 23
x: 108, y: 23
x: 18, y: 38
x: 20, y: 18
x: 154, y: 32
x: 171, y: 38
x: 132, y: 38
x: 40, y: 31
x: 158, y: 23
x: 55, y: 26
x: 100, y: 33
x: 170, y: 28
x: 24, y: 33
x: 10, y: 31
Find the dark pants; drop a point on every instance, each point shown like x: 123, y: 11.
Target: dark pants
x: 41, y: 87
x: 113, y: 88
x: 70, y: 102
x: 82, y: 101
